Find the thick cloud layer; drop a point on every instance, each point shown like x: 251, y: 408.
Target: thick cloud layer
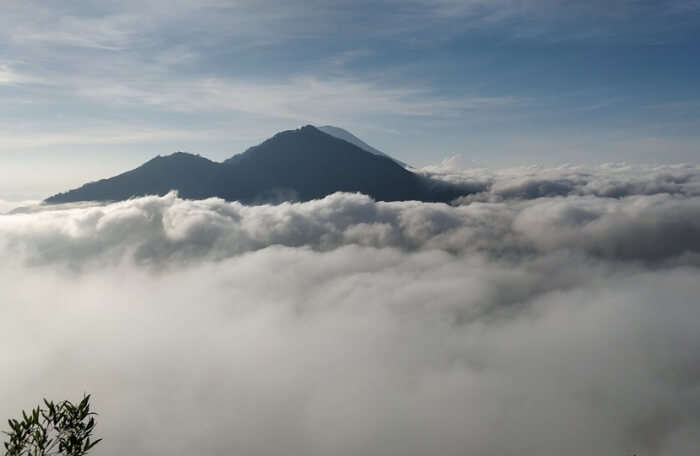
x: 9, y: 206
x: 508, y: 325
x: 655, y: 228
x: 609, y: 181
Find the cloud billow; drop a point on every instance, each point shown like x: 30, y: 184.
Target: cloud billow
x: 546, y: 322
x: 608, y: 181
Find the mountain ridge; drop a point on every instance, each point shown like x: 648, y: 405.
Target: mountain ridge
x: 293, y: 165
x: 345, y: 135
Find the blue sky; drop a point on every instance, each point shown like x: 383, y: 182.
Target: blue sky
x: 91, y: 88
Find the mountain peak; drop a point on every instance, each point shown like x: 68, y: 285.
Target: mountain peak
x: 345, y: 135
x: 179, y: 156
x: 188, y: 173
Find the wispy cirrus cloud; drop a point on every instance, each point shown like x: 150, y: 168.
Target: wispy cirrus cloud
x: 10, y: 75
x: 117, y: 134
x: 303, y: 97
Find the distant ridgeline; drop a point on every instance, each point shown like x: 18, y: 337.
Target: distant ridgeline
x: 294, y: 165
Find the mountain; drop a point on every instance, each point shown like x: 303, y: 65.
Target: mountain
x: 352, y: 139
x: 294, y: 165
x: 193, y: 176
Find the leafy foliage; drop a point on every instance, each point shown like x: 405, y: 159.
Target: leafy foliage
x: 53, y: 429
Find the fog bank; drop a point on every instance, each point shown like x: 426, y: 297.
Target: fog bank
x: 508, y: 323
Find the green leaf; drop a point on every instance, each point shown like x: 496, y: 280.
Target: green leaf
x: 94, y: 443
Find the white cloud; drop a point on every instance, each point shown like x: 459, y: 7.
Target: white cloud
x: 608, y: 180
x: 617, y: 212
x: 344, y: 326
x: 106, y: 33
x: 8, y: 206
x: 306, y: 98
x: 124, y: 134
x: 9, y: 75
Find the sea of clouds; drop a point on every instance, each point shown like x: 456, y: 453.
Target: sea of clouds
x: 555, y: 311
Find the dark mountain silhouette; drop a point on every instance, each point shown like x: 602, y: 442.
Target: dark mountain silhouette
x: 193, y: 176
x: 294, y: 165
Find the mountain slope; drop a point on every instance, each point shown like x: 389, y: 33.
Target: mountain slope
x: 307, y: 164
x: 352, y: 139
x: 192, y: 175
x: 294, y: 165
